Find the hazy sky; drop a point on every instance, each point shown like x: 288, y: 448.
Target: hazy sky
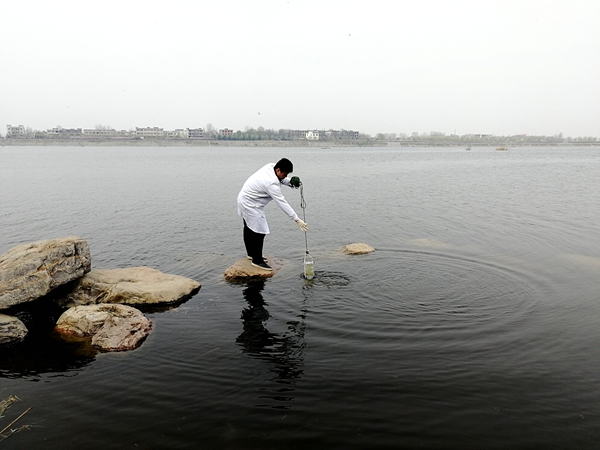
x: 467, y: 66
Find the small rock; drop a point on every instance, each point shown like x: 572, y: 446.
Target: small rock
x: 243, y: 270
x: 11, y: 329
x: 112, y: 327
x: 357, y: 249
x: 132, y: 286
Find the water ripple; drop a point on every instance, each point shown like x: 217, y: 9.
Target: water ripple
x: 422, y: 296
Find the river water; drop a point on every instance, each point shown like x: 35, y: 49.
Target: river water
x: 475, y: 323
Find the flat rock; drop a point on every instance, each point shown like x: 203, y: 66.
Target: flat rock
x: 111, y: 327
x: 30, y: 271
x: 357, y: 249
x: 243, y: 270
x: 11, y: 329
x: 131, y: 286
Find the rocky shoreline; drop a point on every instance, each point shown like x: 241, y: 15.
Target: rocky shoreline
x: 95, y: 305
x: 95, y: 308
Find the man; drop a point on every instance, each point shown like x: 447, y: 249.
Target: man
x: 258, y: 190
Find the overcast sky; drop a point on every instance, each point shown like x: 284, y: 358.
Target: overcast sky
x: 467, y: 66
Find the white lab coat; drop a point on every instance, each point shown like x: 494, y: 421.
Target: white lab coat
x: 258, y: 190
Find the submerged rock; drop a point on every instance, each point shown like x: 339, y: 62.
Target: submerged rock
x: 132, y: 286
x: 243, y: 270
x: 11, y: 330
x: 111, y: 327
x: 32, y: 270
x: 432, y: 243
x: 357, y: 249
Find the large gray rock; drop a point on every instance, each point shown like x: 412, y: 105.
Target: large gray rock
x: 30, y: 271
x: 111, y: 327
x: 132, y: 286
x: 11, y: 329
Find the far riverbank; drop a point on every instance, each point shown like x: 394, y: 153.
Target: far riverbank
x: 274, y: 143
x: 183, y: 143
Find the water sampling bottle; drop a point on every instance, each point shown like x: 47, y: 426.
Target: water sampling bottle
x: 309, y: 267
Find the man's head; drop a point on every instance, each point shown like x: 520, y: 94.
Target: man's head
x: 283, y: 167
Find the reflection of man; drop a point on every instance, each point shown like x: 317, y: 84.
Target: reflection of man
x: 258, y: 190
x: 255, y: 337
x: 284, y: 350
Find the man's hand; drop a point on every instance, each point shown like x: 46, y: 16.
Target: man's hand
x: 302, y: 225
x: 295, y: 182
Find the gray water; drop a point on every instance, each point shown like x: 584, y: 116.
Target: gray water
x: 474, y: 324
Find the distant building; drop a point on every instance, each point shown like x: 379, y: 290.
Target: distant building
x: 98, y: 133
x: 180, y: 133
x: 298, y: 134
x: 15, y: 132
x: 107, y: 133
x: 59, y: 132
x: 102, y: 132
x: 196, y: 133
x: 152, y: 132
x: 314, y: 135
x: 342, y: 134
x: 350, y: 134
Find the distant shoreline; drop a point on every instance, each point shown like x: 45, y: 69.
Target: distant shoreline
x: 269, y: 143
x: 182, y: 143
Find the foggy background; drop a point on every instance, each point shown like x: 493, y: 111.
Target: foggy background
x: 502, y: 67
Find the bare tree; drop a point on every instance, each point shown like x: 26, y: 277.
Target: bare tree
x: 210, y: 130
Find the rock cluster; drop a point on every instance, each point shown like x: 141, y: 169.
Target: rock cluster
x: 96, y: 298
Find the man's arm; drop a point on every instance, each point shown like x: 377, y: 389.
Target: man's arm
x: 275, y: 193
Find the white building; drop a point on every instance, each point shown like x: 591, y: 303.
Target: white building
x: 342, y: 134
x: 99, y: 133
x: 196, y: 133
x: 180, y: 133
x: 312, y: 135
x: 149, y: 132
x: 106, y: 133
x: 298, y: 134
x: 12, y: 132
x: 64, y: 132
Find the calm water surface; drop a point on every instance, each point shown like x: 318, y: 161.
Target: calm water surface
x: 475, y: 324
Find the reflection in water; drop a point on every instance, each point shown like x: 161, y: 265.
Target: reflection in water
x: 35, y: 357
x: 284, y: 351
x: 44, y: 351
x: 41, y: 353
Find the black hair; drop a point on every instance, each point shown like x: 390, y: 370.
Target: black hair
x: 285, y: 165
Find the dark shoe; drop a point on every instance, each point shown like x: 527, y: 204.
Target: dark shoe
x: 250, y: 258
x: 262, y: 265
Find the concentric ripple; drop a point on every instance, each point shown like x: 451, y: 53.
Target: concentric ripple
x: 328, y: 279
x: 399, y: 294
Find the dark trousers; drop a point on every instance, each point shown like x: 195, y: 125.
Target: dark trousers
x: 254, y: 244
